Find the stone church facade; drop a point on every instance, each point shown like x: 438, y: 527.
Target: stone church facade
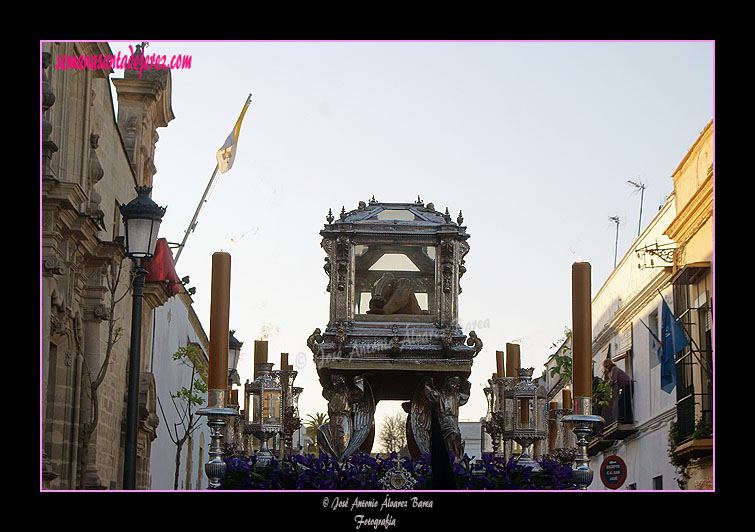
x: 91, y: 161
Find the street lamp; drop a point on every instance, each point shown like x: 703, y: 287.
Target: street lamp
x: 141, y: 218
x: 234, y: 352
x: 232, y: 429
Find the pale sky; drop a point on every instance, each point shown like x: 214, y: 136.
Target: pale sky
x: 533, y: 141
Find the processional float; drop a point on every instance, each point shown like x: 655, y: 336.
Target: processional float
x: 394, y: 274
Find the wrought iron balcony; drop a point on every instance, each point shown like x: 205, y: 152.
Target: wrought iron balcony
x: 619, y: 416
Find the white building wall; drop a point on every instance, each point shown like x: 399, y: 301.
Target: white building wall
x: 175, y: 325
x: 471, y: 432
x: 629, y: 297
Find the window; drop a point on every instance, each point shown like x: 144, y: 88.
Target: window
x: 658, y: 483
x: 396, y: 281
x: 653, y: 325
x: 694, y: 390
x: 632, y: 486
x: 396, y: 214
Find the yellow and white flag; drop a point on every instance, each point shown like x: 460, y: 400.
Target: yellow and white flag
x: 227, y: 153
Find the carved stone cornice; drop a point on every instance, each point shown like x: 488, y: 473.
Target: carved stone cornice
x: 693, y: 215
x: 156, y: 294
x: 54, y: 266
x: 631, y: 309
x: 148, y: 419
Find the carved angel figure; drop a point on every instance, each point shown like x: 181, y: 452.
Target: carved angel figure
x: 445, y: 401
x: 350, y: 413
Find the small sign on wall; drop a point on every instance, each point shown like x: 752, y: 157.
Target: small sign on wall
x: 613, y: 472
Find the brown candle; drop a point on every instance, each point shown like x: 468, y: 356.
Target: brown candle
x: 260, y: 354
x: 220, y: 306
x: 552, y: 427
x: 500, y: 366
x: 581, y: 330
x: 566, y: 399
x: 284, y: 361
x: 512, y: 360
x: 495, y: 375
x: 234, y: 397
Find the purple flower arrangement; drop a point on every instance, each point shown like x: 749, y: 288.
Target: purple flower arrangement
x: 363, y: 472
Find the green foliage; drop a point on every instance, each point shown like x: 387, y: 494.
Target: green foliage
x: 703, y: 430
x: 313, y: 421
x: 681, y: 464
x: 563, y: 366
x: 195, y: 394
x: 603, y: 392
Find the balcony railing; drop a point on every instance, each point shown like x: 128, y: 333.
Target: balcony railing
x: 619, y: 419
x: 619, y: 409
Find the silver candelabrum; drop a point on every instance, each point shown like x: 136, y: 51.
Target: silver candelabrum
x: 264, y: 405
x: 500, y: 413
x: 217, y: 418
x: 290, y: 411
x: 529, y: 422
x: 584, y: 425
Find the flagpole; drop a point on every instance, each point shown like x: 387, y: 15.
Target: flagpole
x: 196, y: 215
x: 193, y: 223
x: 696, y: 349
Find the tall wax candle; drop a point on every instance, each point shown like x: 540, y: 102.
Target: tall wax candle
x: 581, y: 330
x: 552, y: 427
x: 512, y: 360
x: 284, y: 361
x: 499, y: 363
x: 260, y: 354
x: 220, y: 306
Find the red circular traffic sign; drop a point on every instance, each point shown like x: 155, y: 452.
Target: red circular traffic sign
x: 613, y: 472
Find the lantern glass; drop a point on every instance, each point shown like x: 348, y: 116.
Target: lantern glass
x: 395, y: 280
x: 233, y: 358
x: 234, y: 351
x: 256, y: 410
x: 297, y: 391
x: 524, y: 417
x: 141, y: 219
x: 141, y: 237
x: 271, y: 407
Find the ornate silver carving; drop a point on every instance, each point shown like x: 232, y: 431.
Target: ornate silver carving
x: 351, y: 413
x: 475, y: 342
x: 585, y: 425
x: 405, y: 341
x: 398, y: 478
x: 524, y: 415
x: 445, y: 400
x: 314, y: 339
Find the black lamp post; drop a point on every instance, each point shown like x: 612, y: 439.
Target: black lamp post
x: 234, y: 352
x: 141, y: 218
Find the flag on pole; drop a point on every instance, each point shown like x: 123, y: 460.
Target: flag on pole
x: 673, y: 341
x: 656, y: 346
x: 227, y: 153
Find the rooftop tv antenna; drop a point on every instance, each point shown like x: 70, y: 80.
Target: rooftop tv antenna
x: 616, y: 220
x: 641, y: 187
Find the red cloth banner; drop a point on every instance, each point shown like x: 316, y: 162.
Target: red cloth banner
x: 160, y: 267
